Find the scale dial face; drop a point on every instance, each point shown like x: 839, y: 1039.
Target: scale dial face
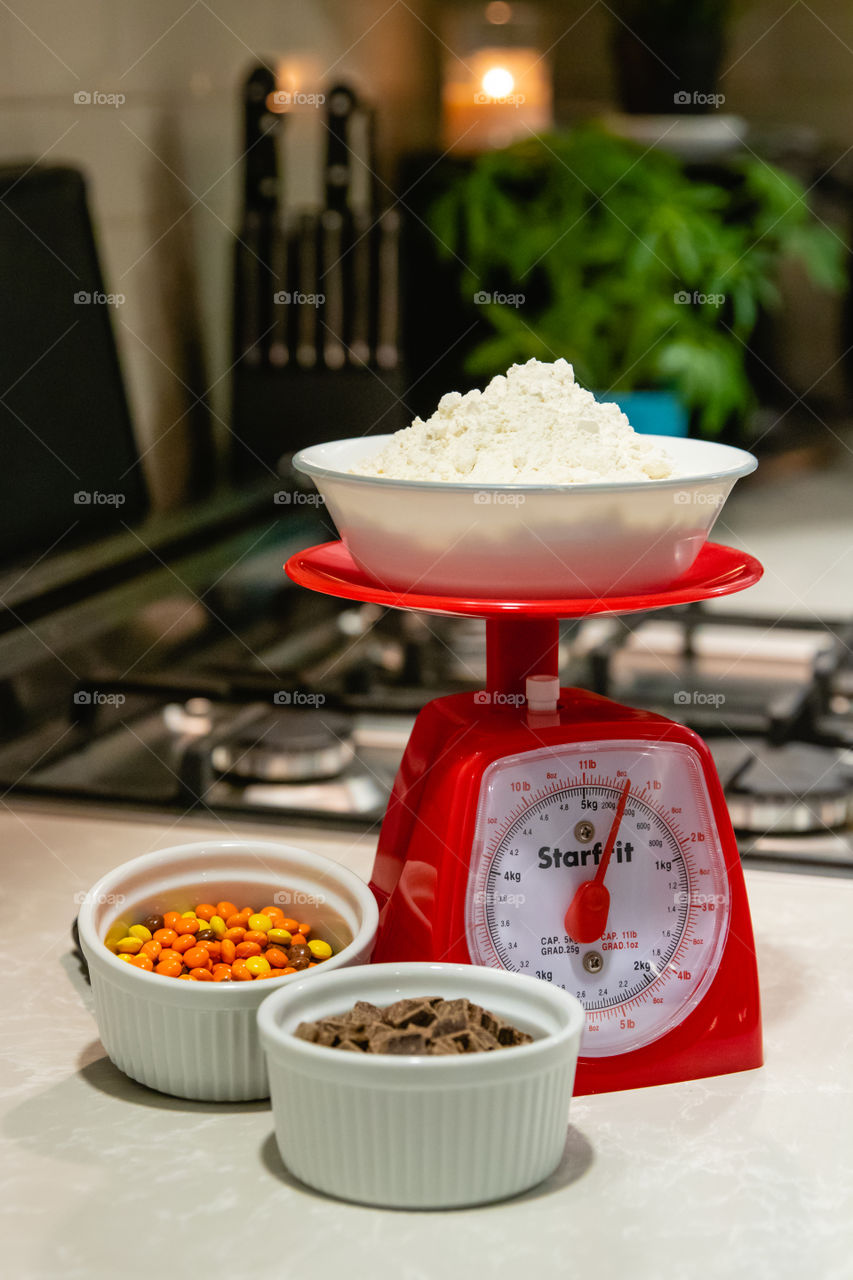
x: 542, y: 826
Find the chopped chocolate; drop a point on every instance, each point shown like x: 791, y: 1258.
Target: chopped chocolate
x: 423, y: 1025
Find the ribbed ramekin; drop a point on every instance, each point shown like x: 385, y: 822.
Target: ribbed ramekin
x: 200, y: 1039
x: 422, y: 1132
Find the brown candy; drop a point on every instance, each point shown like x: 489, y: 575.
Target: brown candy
x: 419, y: 1025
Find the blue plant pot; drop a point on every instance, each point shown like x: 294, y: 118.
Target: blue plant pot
x: 655, y: 413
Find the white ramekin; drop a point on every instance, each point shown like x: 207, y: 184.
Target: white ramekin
x: 200, y: 1039
x: 422, y: 1132
x: 596, y: 539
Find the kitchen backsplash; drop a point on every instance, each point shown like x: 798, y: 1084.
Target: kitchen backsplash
x: 145, y: 100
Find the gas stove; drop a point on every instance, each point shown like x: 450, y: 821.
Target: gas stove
x: 258, y: 698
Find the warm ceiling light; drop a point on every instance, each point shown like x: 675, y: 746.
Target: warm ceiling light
x: 498, y: 12
x: 498, y: 82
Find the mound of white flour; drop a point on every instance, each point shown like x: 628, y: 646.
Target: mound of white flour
x: 533, y: 426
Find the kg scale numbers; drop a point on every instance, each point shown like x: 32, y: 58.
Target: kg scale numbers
x: 541, y: 832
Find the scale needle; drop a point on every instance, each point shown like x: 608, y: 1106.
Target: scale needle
x: 586, y: 918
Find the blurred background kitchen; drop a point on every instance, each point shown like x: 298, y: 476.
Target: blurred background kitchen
x: 229, y: 231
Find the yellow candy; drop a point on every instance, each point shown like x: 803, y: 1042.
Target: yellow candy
x: 217, y: 924
x: 319, y: 949
x: 257, y: 965
x: 260, y: 922
x: 115, y: 933
x: 139, y: 931
x: 188, y: 915
x: 126, y: 956
x: 129, y: 945
x: 280, y: 936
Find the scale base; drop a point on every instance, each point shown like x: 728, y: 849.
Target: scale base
x: 420, y: 876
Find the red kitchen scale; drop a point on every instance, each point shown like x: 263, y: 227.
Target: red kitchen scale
x: 556, y: 833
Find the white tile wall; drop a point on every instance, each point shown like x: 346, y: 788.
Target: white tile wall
x: 179, y: 64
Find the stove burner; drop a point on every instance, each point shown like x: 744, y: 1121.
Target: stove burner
x: 797, y: 787
x: 286, y: 745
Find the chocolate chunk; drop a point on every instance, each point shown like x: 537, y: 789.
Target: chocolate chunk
x: 391, y: 1040
x: 409, y: 1013
x: 307, y: 1031
x: 351, y: 1046
x: 365, y: 1012
x: 444, y: 1045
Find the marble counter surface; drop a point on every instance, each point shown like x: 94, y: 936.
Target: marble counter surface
x: 741, y: 1176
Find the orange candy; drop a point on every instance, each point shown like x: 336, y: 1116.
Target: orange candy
x: 185, y: 924
x: 174, y: 951
x: 239, y: 919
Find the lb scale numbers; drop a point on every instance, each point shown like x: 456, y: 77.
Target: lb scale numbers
x: 597, y: 866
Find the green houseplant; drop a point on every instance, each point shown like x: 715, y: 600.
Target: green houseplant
x: 640, y: 275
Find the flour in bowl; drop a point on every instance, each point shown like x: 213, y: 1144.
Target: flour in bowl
x: 534, y: 425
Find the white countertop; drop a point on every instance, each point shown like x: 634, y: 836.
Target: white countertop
x: 741, y: 1176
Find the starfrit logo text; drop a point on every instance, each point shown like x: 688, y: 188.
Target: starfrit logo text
x: 83, y: 98
x: 554, y: 857
x: 94, y: 497
x: 697, y: 99
x: 83, y: 298
x: 483, y: 297
x: 92, y: 698
x: 485, y: 699
x: 686, y: 298
x: 697, y: 698
x: 298, y: 698
x: 483, y: 498
x: 284, y: 298
x: 286, y: 497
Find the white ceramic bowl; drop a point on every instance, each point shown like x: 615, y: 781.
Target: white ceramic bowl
x: 422, y: 1132
x: 199, y: 1039
x: 526, y: 541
